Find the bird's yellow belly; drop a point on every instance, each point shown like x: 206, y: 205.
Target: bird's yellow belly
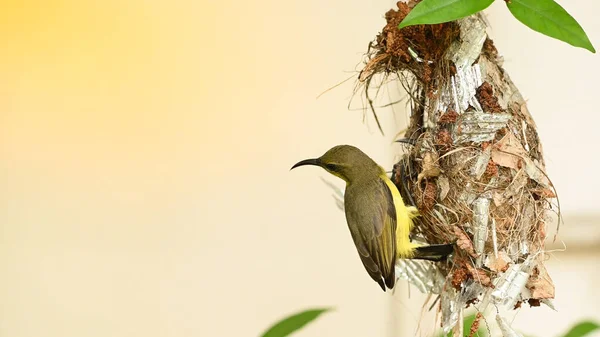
x: 405, y: 249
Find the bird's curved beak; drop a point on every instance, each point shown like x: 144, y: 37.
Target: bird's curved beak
x: 406, y: 141
x: 315, y: 162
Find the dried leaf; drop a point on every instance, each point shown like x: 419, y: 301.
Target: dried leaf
x: 459, y: 276
x: 544, y: 192
x: 443, y: 187
x: 518, y: 183
x: 498, y: 264
x: 508, y: 152
x: 535, y: 172
x: 541, y: 285
x: 498, y: 199
x: 525, y: 112
x: 479, y: 275
x: 464, y: 242
x: 431, y: 166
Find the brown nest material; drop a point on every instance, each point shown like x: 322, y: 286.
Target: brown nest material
x: 475, y: 170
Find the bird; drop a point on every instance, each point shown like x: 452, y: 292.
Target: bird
x: 379, y: 221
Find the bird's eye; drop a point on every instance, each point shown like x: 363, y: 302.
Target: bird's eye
x: 331, y: 167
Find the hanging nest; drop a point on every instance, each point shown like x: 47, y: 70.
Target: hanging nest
x: 474, y: 168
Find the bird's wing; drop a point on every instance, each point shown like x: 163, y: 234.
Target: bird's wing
x: 371, y: 217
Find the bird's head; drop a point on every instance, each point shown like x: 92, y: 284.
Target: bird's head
x: 346, y: 162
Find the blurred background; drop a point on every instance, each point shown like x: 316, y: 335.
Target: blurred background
x: 145, y: 149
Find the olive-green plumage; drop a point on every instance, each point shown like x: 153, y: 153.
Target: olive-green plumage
x: 377, y: 217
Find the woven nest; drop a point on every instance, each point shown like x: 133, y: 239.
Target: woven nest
x: 474, y: 166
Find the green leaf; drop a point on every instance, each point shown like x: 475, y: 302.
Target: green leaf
x: 294, y: 322
x: 549, y: 18
x: 438, y: 11
x: 582, y: 329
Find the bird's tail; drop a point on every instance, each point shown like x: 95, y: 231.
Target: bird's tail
x: 433, y: 252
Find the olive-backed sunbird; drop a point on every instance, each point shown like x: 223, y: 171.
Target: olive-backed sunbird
x: 379, y: 221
